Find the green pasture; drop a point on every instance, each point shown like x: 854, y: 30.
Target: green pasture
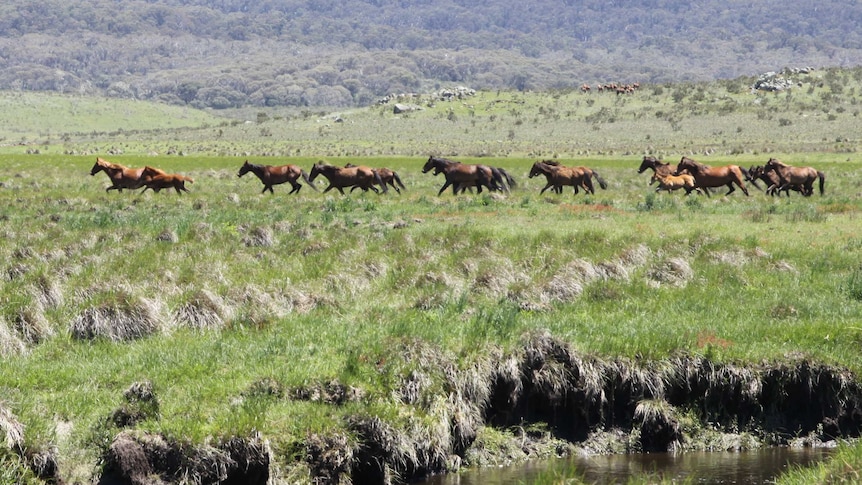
x: 240, y: 289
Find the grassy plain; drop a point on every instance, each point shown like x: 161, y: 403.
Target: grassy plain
x: 234, y: 304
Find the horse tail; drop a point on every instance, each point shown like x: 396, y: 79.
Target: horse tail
x: 498, y: 180
x: 308, y: 180
x: 186, y: 178
x: 602, y: 183
x: 398, y: 179
x: 822, y: 177
x: 509, y: 179
x: 380, y: 181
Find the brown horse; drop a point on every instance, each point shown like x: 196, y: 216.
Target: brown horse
x: 121, y: 176
x: 275, y: 175
x: 802, y: 176
x: 388, y: 176
x: 558, y: 176
x: 771, y: 179
x: 339, y: 178
x: 707, y: 176
x: 461, y: 175
x: 657, y: 166
x: 157, y: 180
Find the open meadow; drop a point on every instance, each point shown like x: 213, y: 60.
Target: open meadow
x: 228, y: 335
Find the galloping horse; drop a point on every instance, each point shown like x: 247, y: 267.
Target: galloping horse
x: 362, y: 177
x: 657, y: 166
x: 460, y: 175
x: 388, y: 176
x: 707, y: 176
x: 157, y: 180
x: 275, y: 175
x: 121, y: 176
x: 558, y: 176
x: 674, y: 182
x: 801, y: 176
x: 771, y: 179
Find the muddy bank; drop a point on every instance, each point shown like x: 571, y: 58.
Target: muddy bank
x: 544, y: 399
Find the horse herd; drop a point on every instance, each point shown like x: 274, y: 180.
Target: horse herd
x: 687, y: 174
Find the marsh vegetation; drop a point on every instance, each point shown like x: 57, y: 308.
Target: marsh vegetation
x: 231, y: 335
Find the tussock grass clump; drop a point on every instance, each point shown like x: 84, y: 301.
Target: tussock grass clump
x: 259, y: 237
x: 122, y: 319
x: 30, y: 323
x: 10, y: 342
x: 659, y: 428
x: 332, y: 392
x: 13, y: 430
x: 204, y: 310
x: 671, y: 272
x: 141, y: 404
x: 330, y: 458
x: 135, y: 457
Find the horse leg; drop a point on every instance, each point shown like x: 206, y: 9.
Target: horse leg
x: 445, y: 186
x: 264, y: 189
x: 731, y: 187
x: 296, y: 187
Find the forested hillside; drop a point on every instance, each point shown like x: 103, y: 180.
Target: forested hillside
x: 229, y: 53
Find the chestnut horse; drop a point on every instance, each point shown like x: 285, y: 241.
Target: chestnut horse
x: 121, y: 176
x: 789, y: 175
x: 271, y: 175
x: 157, y: 180
x: 388, y: 176
x: 558, y: 176
x: 707, y: 176
x: 461, y: 175
x: 362, y: 177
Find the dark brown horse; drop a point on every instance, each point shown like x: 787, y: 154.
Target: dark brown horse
x: 558, y: 175
x: 271, y: 175
x: 771, y: 179
x: 156, y: 179
x: 658, y: 167
x: 388, y: 176
x: 340, y: 177
x: 121, y: 176
x: 707, y: 176
x: 802, y: 176
x: 461, y: 175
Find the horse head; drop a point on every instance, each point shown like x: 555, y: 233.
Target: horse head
x: 431, y: 163
x: 538, y: 168
x: 648, y: 162
x: 97, y: 167
x: 773, y: 164
x: 246, y: 168
x: 318, y: 168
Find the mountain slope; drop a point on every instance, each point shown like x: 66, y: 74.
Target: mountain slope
x: 229, y: 53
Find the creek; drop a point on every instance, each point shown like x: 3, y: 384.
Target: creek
x: 748, y: 467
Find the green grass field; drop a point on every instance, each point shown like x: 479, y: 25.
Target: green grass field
x: 239, y: 308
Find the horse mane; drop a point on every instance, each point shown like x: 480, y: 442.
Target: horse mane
x: 104, y: 163
x: 778, y: 162
x: 552, y: 163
